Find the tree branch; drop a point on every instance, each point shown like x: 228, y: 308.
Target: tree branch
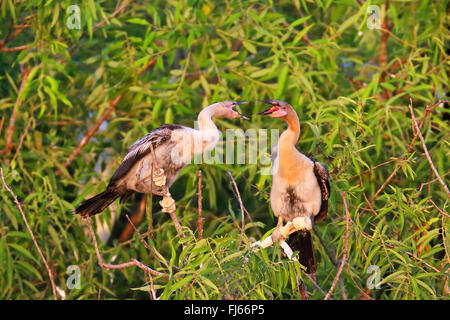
x: 131, y: 263
x: 50, y: 273
x: 344, y: 258
x: 427, y: 154
x: 199, y: 194
x: 12, y: 120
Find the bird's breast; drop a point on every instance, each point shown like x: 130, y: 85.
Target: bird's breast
x: 302, y: 198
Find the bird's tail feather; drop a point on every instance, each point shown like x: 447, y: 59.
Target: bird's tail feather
x: 301, y: 241
x: 97, y: 203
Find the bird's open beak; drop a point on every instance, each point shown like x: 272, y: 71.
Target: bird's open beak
x: 243, y: 117
x: 240, y: 114
x: 268, y: 111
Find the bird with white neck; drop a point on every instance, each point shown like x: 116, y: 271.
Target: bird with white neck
x: 153, y: 163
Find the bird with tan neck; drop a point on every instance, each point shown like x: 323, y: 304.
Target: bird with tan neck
x: 153, y: 162
x: 300, y: 190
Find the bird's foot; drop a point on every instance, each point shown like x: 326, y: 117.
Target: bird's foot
x: 301, y: 223
x: 255, y: 246
x: 167, y: 203
x: 159, y: 177
x: 287, y: 250
x: 267, y: 242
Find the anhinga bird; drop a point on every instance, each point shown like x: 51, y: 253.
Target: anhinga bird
x: 300, y: 189
x: 153, y: 162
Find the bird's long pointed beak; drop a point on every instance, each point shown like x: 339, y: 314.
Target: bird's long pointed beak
x: 243, y: 117
x: 240, y: 114
x: 265, y: 112
x: 268, y: 111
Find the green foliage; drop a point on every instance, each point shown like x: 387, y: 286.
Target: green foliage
x: 171, y: 58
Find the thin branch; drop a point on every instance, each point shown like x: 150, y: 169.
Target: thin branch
x: 199, y: 194
x: 237, y: 195
x: 12, y: 120
x: 131, y: 263
x: 363, y: 293
x: 417, y: 129
x: 1, y: 124
x: 439, y: 209
x: 14, y: 49
x: 431, y: 181
x: 11, y: 36
x: 21, y: 139
x: 410, y: 148
x: 50, y: 274
x: 152, y: 291
x: 314, y: 282
x: 344, y: 258
x: 115, y: 13
x: 242, y: 209
x: 383, y: 49
x: 139, y: 234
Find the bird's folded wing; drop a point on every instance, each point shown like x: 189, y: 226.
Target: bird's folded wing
x: 321, y: 173
x: 142, y: 147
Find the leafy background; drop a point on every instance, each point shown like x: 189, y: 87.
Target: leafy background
x: 138, y: 64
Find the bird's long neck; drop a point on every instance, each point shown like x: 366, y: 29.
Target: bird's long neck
x: 205, y: 122
x: 290, y: 136
x: 208, y: 135
x: 292, y: 163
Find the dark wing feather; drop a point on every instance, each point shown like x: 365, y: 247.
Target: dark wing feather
x: 142, y: 147
x: 321, y: 173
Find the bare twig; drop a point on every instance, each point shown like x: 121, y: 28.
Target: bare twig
x: 152, y: 291
x: 438, y: 209
x: 50, y: 273
x: 431, y: 181
x: 363, y: 293
x: 314, y: 282
x: 417, y: 129
x: 14, y: 49
x: 131, y: 263
x: 11, y: 36
x: 410, y: 148
x: 246, y: 211
x: 21, y: 139
x: 303, y: 290
x: 1, y: 124
x: 242, y: 208
x: 199, y: 194
x: 383, y: 49
x: 139, y: 234
x: 115, y: 13
x: 344, y: 258
x: 12, y: 120
x: 146, y: 245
